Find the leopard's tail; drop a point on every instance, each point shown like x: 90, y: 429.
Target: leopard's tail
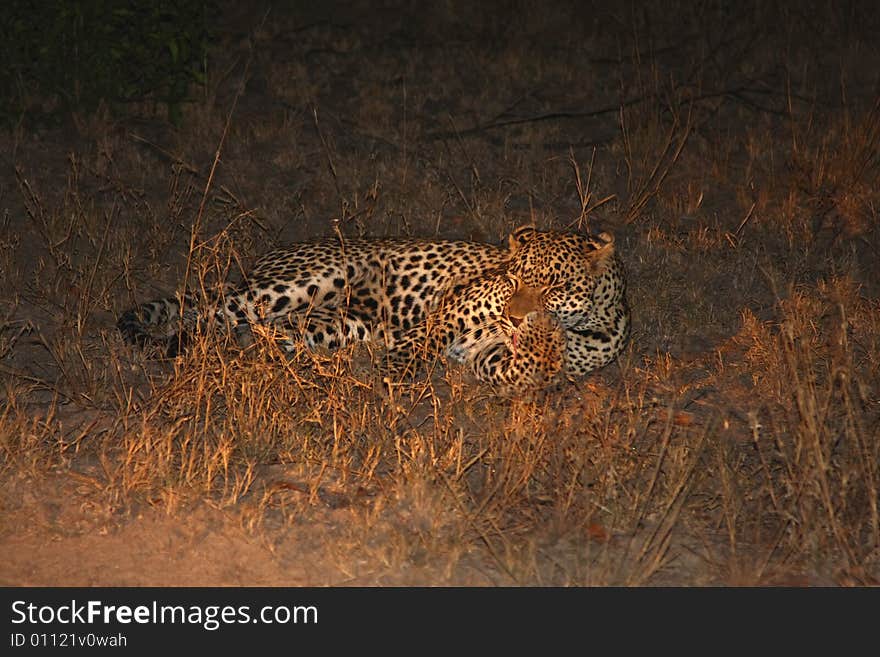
x: 163, y: 323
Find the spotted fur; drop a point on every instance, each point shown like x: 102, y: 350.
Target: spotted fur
x: 585, y: 291
x: 517, y: 316
x: 497, y: 327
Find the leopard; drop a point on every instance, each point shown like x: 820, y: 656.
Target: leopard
x: 497, y: 327
x: 585, y: 290
x: 521, y: 315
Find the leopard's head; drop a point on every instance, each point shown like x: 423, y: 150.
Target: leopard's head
x: 567, y: 267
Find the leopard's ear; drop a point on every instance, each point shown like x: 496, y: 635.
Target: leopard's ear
x: 603, y: 243
x: 599, y: 250
x: 520, y: 236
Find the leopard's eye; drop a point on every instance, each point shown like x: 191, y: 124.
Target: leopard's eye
x: 557, y: 288
x: 552, y: 281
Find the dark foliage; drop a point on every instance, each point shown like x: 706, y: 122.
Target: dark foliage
x: 74, y: 55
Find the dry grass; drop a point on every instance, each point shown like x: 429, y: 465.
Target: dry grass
x: 737, y: 441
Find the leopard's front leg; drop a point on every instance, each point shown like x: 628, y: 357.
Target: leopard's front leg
x: 532, y: 358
